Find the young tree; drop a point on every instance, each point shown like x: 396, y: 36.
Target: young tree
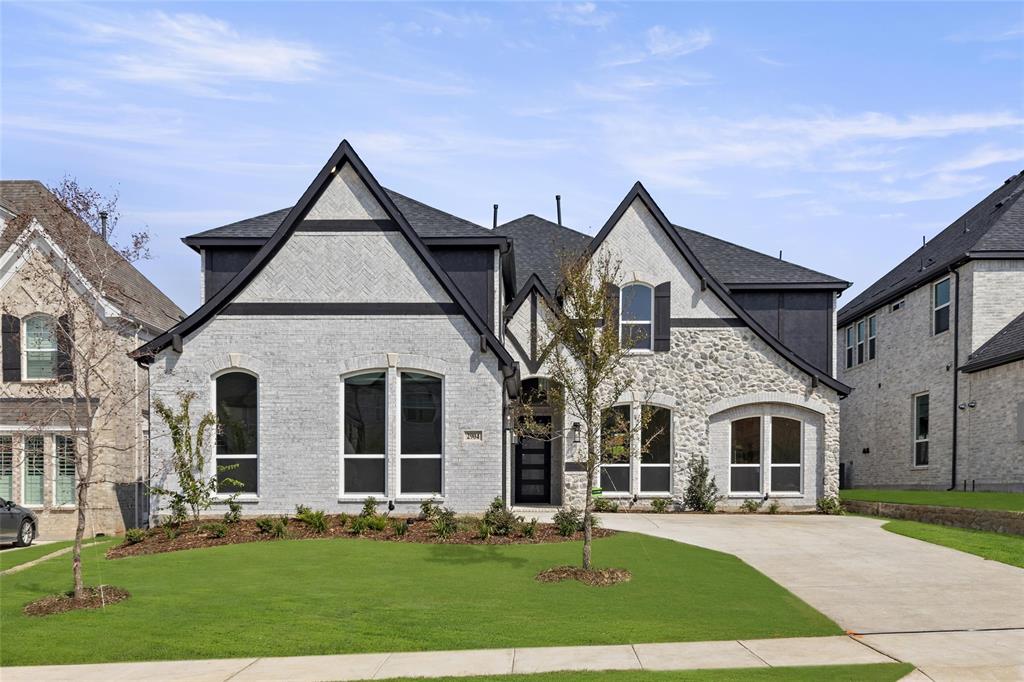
x: 87, y: 385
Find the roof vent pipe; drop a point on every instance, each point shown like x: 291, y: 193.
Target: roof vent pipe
x: 780, y: 254
x: 495, y: 216
x: 103, y: 225
x: 558, y: 208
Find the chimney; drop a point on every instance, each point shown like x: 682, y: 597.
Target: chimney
x: 558, y: 208
x: 495, y: 216
x: 103, y: 225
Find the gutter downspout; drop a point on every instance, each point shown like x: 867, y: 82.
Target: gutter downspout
x: 956, y: 373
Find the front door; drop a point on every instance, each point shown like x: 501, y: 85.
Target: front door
x: 533, y: 469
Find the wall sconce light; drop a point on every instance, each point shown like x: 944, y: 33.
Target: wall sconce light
x: 962, y: 406
x: 575, y: 433
x: 972, y: 404
x: 391, y: 505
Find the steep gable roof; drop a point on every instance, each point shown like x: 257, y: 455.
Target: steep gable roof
x: 343, y: 155
x: 127, y: 288
x: 1006, y: 346
x: 993, y: 228
x: 540, y: 246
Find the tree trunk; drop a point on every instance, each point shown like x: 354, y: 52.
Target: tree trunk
x: 76, y: 553
x: 587, y: 533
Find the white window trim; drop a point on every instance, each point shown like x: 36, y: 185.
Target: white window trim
x: 417, y: 497
x: 25, y: 350
x: 759, y: 465
x: 628, y: 463
x: 862, y: 348
x: 937, y: 308
x: 24, y: 473
x: 667, y: 465
x: 241, y: 497
x: 771, y: 460
x: 851, y: 356
x: 351, y: 497
x: 913, y: 430
x: 650, y: 323
x: 10, y: 496
x: 872, y: 336
x: 56, y: 472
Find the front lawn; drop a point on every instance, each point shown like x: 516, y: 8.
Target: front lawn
x: 15, y: 556
x: 305, y: 597
x: 939, y: 498
x: 1009, y: 549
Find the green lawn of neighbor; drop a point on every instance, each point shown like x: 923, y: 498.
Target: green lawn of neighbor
x: 879, y: 672
x: 1009, y: 549
x: 299, y: 597
x: 940, y: 498
x: 11, y: 557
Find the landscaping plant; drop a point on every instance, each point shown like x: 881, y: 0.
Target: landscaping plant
x: 429, y: 509
x: 369, y: 507
x: 701, y: 490
x: 659, y: 505
x: 399, y: 527
x: 444, y: 524
x: 830, y: 506
x: 234, y: 512
x: 264, y: 524
x: 604, y: 505
x: 568, y: 521
x: 530, y: 529
x: 500, y: 520
x: 316, y: 520
x: 751, y: 506
x: 134, y: 535
x: 214, y: 530
x: 773, y: 508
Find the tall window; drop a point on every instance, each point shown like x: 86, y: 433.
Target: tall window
x: 656, y: 453
x: 421, y: 429
x: 64, y: 471
x: 849, y: 347
x: 636, y: 313
x: 33, y: 467
x: 745, y: 456
x: 364, y: 464
x: 40, y: 347
x: 941, y: 302
x: 872, y: 333
x: 237, y: 432
x: 860, y: 342
x: 6, y: 467
x: 921, y: 430
x: 785, y: 455
x: 615, y: 434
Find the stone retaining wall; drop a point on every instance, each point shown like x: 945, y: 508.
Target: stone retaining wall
x: 974, y: 519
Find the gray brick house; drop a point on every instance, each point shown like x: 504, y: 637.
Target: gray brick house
x: 362, y: 343
x: 935, y: 353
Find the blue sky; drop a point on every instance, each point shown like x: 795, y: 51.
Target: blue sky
x: 838, y: 133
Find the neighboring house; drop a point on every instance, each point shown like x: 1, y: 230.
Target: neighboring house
x: 37, y: 460
x: 361, y: 343
x: 935, y: 352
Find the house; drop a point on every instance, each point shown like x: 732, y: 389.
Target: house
x: 361, y: 343
x: 935, y: 352
x: 69, y: 299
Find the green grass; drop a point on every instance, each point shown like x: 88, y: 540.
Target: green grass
x: 879, y: 672
x: 299, y: 597
x: 9, y: 558
x: 1008, y: 549
x: 940, y: 498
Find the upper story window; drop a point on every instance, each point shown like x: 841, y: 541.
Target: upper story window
x: 364, y: 456
x: 39, y: 348
x: 940, y: 303
x: 636, y: 326
x: 237, y: 446
x: 861, y: 344
x: 872, y: 333
x: 849, y: 347
x: 898, y: 305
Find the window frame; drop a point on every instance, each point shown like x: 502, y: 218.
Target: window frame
x: 342, y: 456
x: 627, y: 463
x: 399, y: 495
x: 24, y: 471
x: 849, y: 347
x: 56, y: 472
x: 771, y: 459
x: 219, y: 495
x: 25, y: 350
x: 7, y: 455
x: 861, y: 341
x: 872, y: 337
x: 760, y: 460
x: 640, y: 458
x: 913, y: 430
x: 649, y: 323
x: 947, y: 305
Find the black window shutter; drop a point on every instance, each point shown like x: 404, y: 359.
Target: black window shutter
x: 10, y: 330
x: 662, y: 316
x: 611, y: 292
x: 65, y: 344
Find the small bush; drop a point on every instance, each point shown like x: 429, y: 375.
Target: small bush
x: 444, y: 524
x: 234, y: 512
x: 358, y: 526
x: 429, y: 510
x: 660, y: 505
x: 568, y: 521
x: 830, y: 506
x: 264, y: 524
x: 170, y: 532
x: 301, y: 509
x: 134, y: 535
x: 701, y: 490
x: 316, y: 520
x: 773, y: 508
x: 179, y: 510
x: 378, y: 523
x: 214, y: 530
x: 369, y: 507
x: 399, y: 527
x: 501, y: 520
x: 751, y: 506
x: 343, y: 520
x: 484, y: 529
x: 604, y: 505
x: 530, y: 529
x: 279, y: 528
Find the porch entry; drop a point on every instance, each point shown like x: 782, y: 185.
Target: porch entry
x: 533, y: 469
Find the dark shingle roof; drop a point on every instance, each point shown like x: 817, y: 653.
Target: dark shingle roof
x: 995, y: 224
x: 128, y: 288
x: 540, y: 246
x: 426, y: 220
x: 1006, y: 346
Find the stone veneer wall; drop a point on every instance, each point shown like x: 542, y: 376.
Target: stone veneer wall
x: 975, y: 519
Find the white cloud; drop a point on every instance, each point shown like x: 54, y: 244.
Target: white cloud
x: 666, y: 44
x: 780, y: 193
x: 581, y: 14
x: 981, y: 157
x: 991, y: 36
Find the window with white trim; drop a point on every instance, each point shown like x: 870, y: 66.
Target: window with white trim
x: 656, y: 450
x: 39, y: 351
x: 940, y: 302
x: 364, y: 455
x: 34, y: 471
x: 745, y: 456
x: 236, y: 458
x: 64, y: 471
x: 7, y: 467
x: 786, y: 455
x: 421, y: 434
x: 921, y: 430
x: 849, y: 347
x: 615, y: 450
x: 872, y: 333
x: 636, y: 315
x: 860, y: 342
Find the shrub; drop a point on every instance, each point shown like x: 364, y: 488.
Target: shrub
x: 234, y: 512
x: 444, y: 524
x: 773, y: 508
x: 604, y: 505
x: 701, y: 490
x: 369, y: 507
x: 500, y: 520
x: 343, y: 520
x: 379, y: 522
x: 358, y: 525
x: 530, y: 529
x: 279, y: 528
x: 264, y: 524
x: 316, y: 520
x: 660, y: 505
x: 751, y: 506
x: 134, y: 535
x: 170, y: 532
x: 484, y: 529
x: 301, y: 509
x: 399, y: 527
x: 214, y: 530
x: 830, y: 506
x: 568, y: 521
x: 179, y: 510
x: 429, y: 510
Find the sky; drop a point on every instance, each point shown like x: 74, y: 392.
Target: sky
x: 838, y: 133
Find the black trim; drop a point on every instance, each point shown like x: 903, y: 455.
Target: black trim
x: 757, y: 286
x: 706, y: 322
x: 197, y: 243
x: 312, y: 309
x: 846, y: 316
x: 999, y: 255
x: 501, y: 243
x: 10, y: 332
x: 533, y: 326
x: 347, y: 226
x: 1005, y: 358
x: 662, y: 317
x: 639, y: 192
x: 575, y: 466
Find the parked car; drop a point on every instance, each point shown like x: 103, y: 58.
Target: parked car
x: 17, y: 524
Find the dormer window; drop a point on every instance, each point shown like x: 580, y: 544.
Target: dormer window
x: 39, y: 353
x: 637, y: 313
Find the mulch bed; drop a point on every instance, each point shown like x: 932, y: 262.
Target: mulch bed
x: 190, y: 535
x: 94, y: 598
x: 597, y: 577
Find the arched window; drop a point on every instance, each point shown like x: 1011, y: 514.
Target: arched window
x: 421, y: 434
x: 237, y: 447
x: 364, y: 456
x: 745, y: 456
x: 40, y: 347
x: 787, y: 448
x: 636, y: 314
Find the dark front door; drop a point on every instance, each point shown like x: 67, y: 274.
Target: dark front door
x: 533, y: 469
